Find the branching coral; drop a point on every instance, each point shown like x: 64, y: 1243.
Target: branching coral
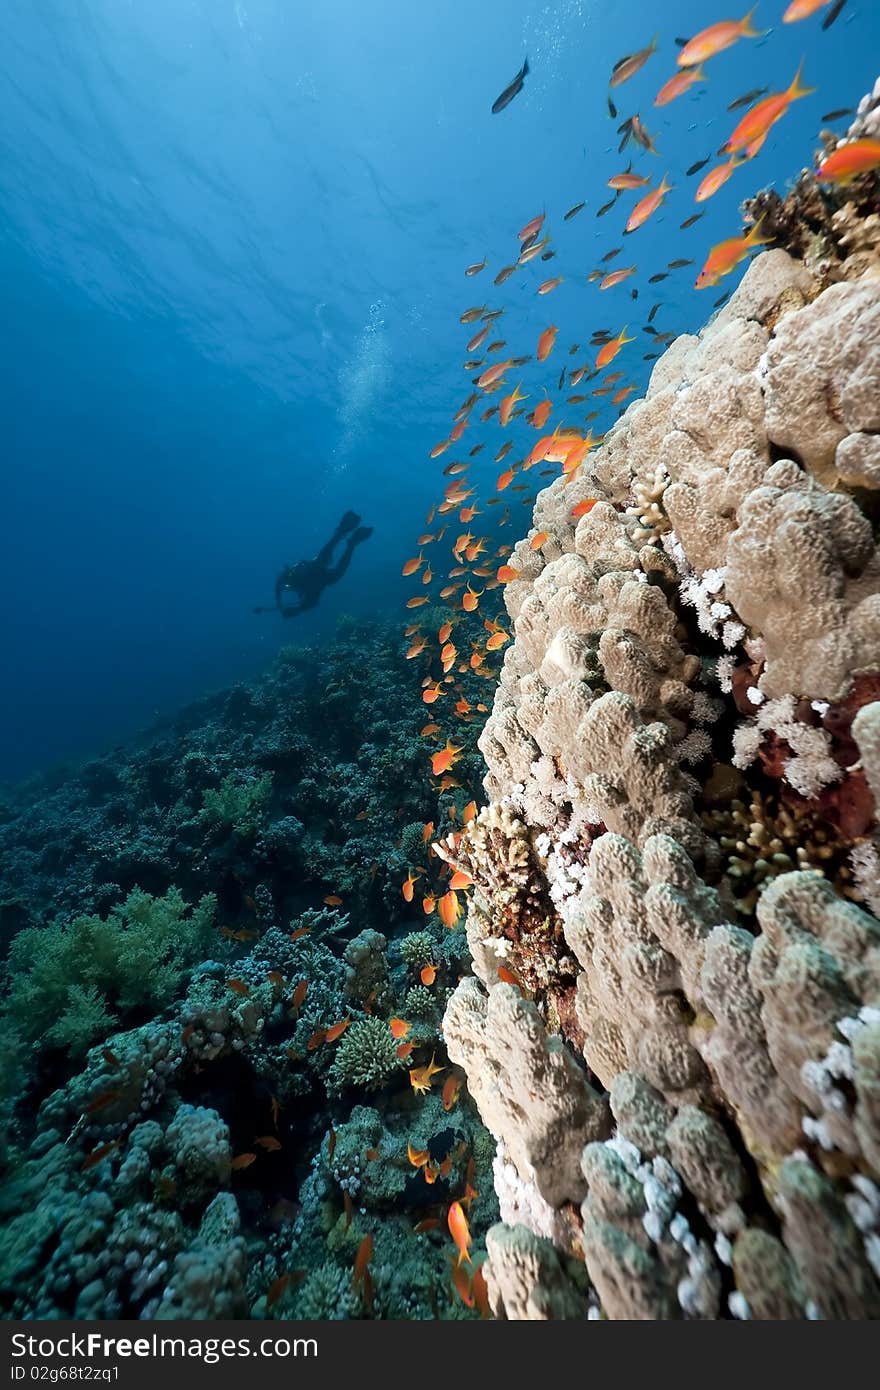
x: 366, y: 1056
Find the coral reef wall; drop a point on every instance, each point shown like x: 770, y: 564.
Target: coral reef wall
x: 674, y: 1030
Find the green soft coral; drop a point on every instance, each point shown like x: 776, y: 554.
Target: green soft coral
x: 237, y: 804
x: 67, y: 984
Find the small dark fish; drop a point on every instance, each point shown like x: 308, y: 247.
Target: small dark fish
x: 575, y: 400
x: 609, y: 255
x: 561, y: 380
x: 504, y: 274
x: 606, y: 207
x: 548, y: 255
x: 832, y: 14
x: 681, y: 42
x: 748, y: 98
x: 647, y: 328
x: 655, y: 279
x: 633, y: 294
x: 519, y: 361
x: 700, y: 164
x: 653, y: 312
x: 689, y: 221
x: 573, y: 212
x: 679, y: 264
x: 722, y: 300
x: 650, y: 356
x: 511, y: 90
x: 575, y: 347
x: 612, y: 109
x: 627, y: 125
x: 625, y: 141
x: 838, y: 115
x: 528, y: 241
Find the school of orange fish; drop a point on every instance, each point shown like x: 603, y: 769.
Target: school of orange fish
x: 472, y: 635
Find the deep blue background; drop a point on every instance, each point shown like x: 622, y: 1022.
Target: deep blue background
x: 232, y: 236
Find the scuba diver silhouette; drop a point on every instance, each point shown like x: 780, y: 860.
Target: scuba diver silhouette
x: 309, y: 578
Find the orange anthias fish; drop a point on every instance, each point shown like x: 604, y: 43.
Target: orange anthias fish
x: 541, y: 414
x: 470, y: 599
x: 616, y: 276
x: 460, y: 879
x: 458, y: 1229
x: 406, y: 887
x: 417, y: 1157
x: 446, y: 758
x: 758, y: 120
x: 628, y: 180
x: 677, y: 84
x: 716, y: 38
x: 451, y: 1088
x: 715, y: 179
x: 299, y: 994
x: 726, y: 256
x: 507, y: 404
x: 97, y: 1155
x: 531, y: 228
x: 463, y: 1285
x: 629, y: 66
x: 362, y: 1259
x: 337, y: 1030
x: 428, y: 975
x: 532, y: 251
x: 545, y: 342
x: 802, y: 9
x: 449, y: 909
x: 583, y: 508
x: 333, y: 900
x: 243, y: 1161
x: 399, y: 1027
x: 610, y: 350
x: 549, y: 285
x: 481, y: 1292
x: 420, y: 1077
x: 647, y: 205
x: 848, y: 161
x: 492, y: 374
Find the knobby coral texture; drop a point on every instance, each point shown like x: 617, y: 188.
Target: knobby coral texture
x: 674, y: 1029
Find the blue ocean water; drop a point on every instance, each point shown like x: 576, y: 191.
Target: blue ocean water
x: 232, y: 242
